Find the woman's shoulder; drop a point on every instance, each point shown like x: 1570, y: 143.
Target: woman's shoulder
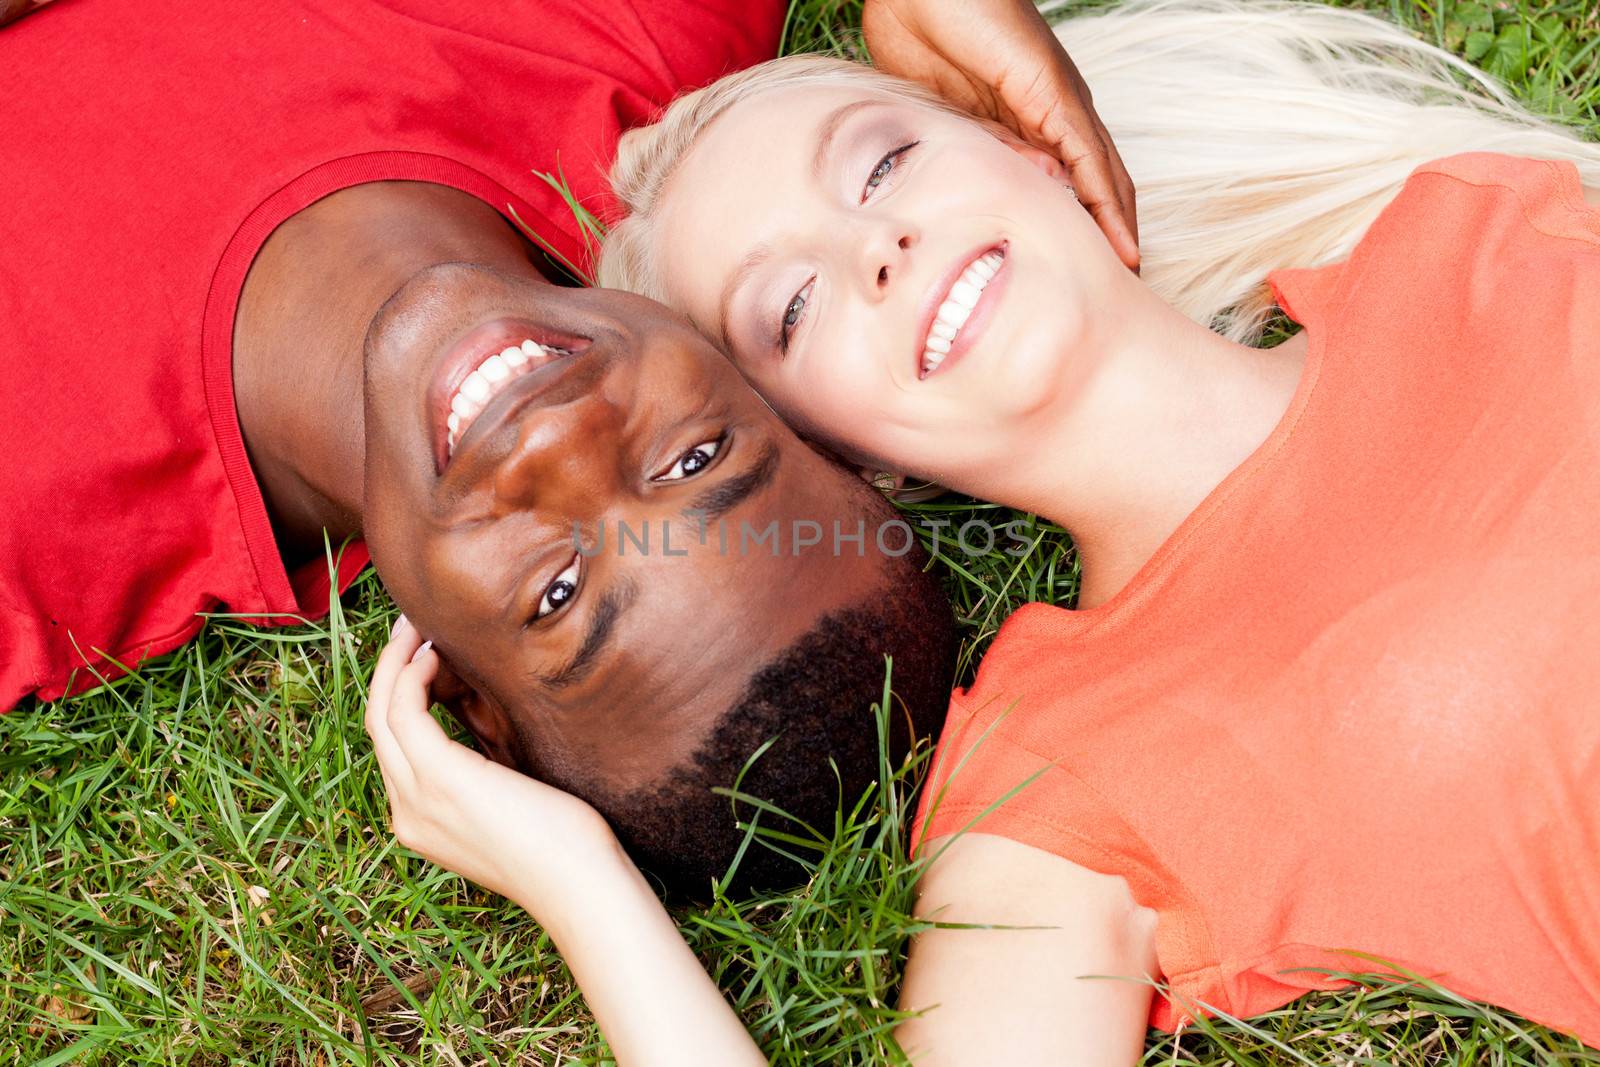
x: 1455, y: 222
x: 1474, y: 187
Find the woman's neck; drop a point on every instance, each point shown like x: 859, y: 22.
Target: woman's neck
x: 1172, y: 411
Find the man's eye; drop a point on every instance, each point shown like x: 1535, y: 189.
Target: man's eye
x: 885, y: 166
x: 558, y: 592
x: 691, y: 462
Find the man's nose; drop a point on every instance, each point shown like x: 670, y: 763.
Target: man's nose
x: 885, y: 254
x: 564, y: 460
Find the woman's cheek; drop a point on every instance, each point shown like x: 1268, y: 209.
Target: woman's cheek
x: 825, y: 399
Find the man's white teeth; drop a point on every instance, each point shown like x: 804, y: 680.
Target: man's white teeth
x: 957, y: 307
x: 479, y: 387
x: 495, y: 370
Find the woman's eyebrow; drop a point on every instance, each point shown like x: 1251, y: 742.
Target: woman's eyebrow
x: 756, y: 256
x: 829, y: 130
x: 826, y: 134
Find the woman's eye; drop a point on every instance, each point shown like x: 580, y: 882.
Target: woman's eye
x: 885, y: 166
x: 558, y: 592
x: 691, y: 462
x: 792, y: 314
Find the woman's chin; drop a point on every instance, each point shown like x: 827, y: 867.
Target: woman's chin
x: 1005, y: 387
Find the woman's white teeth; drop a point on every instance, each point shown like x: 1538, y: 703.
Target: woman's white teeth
x: 479, y: 387
x: 965, y: 293
x: 957, y: 307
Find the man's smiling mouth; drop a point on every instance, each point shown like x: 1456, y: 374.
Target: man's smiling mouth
x: 488, y: 379
x: 482, y: 366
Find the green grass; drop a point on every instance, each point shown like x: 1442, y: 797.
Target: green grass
x: 195, y: 866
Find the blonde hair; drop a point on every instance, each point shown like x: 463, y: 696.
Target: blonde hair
x: 1259, y: 133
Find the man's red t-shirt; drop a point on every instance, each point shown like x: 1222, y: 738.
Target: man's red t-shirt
x: 146, y: 152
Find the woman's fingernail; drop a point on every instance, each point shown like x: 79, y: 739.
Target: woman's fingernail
x: 399, y: 621
x: 424, y: 647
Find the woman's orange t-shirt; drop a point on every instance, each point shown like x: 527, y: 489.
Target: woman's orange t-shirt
x: 1350, y: 711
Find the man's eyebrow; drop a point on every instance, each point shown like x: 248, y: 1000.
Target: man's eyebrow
x: 602, y: 623
x: 729, y: 493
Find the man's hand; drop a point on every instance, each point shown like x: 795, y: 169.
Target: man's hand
x: 998, y: 58
x: 509, y: 833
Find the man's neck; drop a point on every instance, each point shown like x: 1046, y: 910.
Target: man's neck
x: 297, y: 343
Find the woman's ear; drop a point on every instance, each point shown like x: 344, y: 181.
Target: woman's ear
x: 899, y: 487
x: 1045, y: 162
x: 894, y: 486
x: 883, y: 481
x: 482, y: 716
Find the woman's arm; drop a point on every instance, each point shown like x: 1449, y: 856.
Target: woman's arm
x: 554, y: 855
x: 1026, y: 996
x: 992, y: 996
x: 653, y: 1001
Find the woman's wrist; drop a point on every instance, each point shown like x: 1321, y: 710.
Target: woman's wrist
x: 565, y: 897
x: 653, y: 1000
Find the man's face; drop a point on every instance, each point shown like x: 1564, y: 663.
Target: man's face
x: 619, y: 429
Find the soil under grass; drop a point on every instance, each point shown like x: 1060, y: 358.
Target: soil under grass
x: 195, y: 866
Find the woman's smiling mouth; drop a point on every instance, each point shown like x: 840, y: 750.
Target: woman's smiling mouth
x: 955, y: 308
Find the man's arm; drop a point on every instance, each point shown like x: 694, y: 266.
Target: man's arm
x: 12, y: 10
x: 1070, y: 990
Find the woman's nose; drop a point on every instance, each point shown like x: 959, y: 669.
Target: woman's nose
x: 886, y: 252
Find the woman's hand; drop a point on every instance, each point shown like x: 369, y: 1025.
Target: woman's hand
x: 998, y: 58
x: 509, y: 833
x: 554, y: 855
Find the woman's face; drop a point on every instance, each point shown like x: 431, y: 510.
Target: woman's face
x: 897, y: 281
